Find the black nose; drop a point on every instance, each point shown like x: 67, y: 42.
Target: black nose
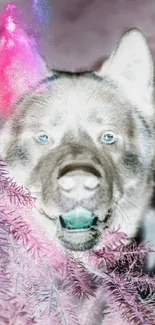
x: 78, y: 219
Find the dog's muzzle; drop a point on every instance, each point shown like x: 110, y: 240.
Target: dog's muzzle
x: 78, y: 182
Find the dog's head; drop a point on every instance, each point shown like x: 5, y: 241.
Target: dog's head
x: 82, y: 143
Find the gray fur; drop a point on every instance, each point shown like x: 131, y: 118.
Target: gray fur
x: 74, y: 109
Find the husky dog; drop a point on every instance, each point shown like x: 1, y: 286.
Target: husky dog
x: 83, y: 144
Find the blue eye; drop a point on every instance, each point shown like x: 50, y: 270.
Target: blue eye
x: 42, y: 138
x: 108, y: 137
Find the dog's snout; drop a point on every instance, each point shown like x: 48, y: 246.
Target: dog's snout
x: 79, y: 181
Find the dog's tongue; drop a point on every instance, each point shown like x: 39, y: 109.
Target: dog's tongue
x: 77, y: 219
x: 20, y: 65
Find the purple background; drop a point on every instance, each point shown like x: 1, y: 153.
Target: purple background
x: 83, y: 32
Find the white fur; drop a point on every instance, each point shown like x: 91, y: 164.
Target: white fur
x: 132, y: 67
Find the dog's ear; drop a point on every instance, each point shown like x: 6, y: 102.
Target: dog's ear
x: 131, y: 67
x: 21, y: 67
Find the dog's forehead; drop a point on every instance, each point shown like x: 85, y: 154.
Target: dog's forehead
x: 76, y: 98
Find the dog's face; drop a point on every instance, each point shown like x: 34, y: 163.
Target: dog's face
x: 82, y: 145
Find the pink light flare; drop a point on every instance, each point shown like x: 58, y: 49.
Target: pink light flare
x: 20, y: 65
x: 10, y: 26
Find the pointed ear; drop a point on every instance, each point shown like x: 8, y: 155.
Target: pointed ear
x: 21, y: 67
x: 131, y: 67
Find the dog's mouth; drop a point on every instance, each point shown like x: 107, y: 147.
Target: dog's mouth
x: 81, y: 229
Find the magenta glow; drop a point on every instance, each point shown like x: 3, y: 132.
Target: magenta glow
x: 20, y: 65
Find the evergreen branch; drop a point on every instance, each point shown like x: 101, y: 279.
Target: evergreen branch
x: 16, y: 194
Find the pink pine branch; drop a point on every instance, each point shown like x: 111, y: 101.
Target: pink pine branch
x: 119, y: 285
x: 66, y: 310
x: 45, y: 282
x: 82, y: 282
x: 14, y: 314
x: 16, y: 193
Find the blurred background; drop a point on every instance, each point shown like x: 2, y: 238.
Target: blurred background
x: 79, y: 34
